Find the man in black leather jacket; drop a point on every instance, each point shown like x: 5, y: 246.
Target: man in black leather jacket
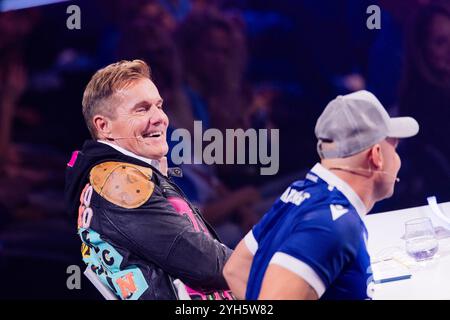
x: 139, y: 233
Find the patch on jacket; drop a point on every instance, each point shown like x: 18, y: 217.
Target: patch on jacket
x: 124, y: 184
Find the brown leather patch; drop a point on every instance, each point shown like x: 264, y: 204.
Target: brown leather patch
x: 124, y: 184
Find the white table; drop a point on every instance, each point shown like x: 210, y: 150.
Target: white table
x: 428, y: 281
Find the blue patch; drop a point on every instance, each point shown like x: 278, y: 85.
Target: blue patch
x: 128, y: 283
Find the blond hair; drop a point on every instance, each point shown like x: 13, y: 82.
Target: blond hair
x: 105, y: 83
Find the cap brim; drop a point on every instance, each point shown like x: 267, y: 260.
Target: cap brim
x: 403, y: 127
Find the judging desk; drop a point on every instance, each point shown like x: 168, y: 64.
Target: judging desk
x: 429, y: 279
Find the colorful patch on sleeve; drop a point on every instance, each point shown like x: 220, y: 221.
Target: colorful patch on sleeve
x: 103, y: 259
x: 124, y: 184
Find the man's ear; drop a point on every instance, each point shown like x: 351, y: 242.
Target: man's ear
x: 376, y: 157
x: 102, y: 125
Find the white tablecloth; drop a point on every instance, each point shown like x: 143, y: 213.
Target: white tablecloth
x: 430, y: 280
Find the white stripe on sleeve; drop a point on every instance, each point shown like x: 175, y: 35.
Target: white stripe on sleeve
x: 301, y: 269
x: 251, y: 242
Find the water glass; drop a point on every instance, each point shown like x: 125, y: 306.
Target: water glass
x: 421, y: 241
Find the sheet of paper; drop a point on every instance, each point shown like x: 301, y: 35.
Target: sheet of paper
x: 389, y: 270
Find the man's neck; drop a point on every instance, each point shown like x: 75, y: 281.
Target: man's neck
x: 360, y: 185
x: 152, y: 162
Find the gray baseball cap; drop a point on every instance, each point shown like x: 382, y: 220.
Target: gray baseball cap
x: 355, y: 122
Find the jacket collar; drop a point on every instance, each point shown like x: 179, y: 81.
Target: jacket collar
x: 154, y: 163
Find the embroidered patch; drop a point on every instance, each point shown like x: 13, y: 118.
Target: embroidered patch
x: 124, y: 184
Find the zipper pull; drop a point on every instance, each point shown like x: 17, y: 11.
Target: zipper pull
x: 175, y: 172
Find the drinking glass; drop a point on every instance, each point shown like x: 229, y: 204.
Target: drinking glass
x: 421, y: 242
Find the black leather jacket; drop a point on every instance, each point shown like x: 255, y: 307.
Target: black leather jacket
x: 137, y: 250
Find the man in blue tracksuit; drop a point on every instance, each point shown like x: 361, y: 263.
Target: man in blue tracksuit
x: 312, y: 242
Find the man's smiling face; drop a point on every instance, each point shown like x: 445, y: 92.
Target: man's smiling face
x: 140, y: 124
